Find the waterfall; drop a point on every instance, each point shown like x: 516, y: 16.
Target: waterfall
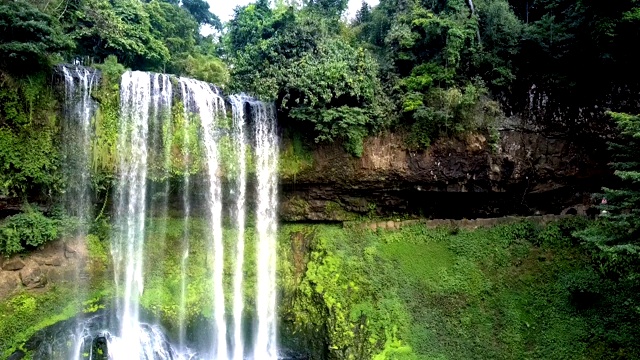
x: 266, y: 149
x: 239, y: 190
x: 186, y: 205
x: 204, y: 100
x: 128, y: 244
x: 159, y: 157
x: 149, y: 142
x: 79, y: 108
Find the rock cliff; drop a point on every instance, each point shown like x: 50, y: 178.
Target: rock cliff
x: 523, y: 172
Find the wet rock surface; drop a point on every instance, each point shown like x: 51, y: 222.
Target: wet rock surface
x: 9, y: 282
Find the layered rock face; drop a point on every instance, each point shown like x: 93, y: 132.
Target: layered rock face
x: 523, y: 172
x: 55, y: 263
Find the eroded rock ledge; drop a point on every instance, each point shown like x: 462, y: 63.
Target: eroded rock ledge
x: 522, y: 173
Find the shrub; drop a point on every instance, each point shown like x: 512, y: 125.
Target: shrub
x: 27, y: 230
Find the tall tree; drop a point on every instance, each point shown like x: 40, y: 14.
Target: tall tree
x: 616, y: 235
x: 200, y: 11
x: 27, y: 36
x: 319, y: 80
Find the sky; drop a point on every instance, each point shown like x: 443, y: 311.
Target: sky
x: 224, y: 8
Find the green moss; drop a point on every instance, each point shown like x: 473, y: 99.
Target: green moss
x: 417, y: 293
x: 295, y: 157
x: 296, y: 208
x: 107, y: 118
x: 24, y: 314
x: 183, y: 153
x: 426, y: 262
x: 163, y: 280
x: 334, y: 210
x: 98, y: 257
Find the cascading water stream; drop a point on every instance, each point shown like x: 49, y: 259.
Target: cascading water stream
x: 204, y: 100
x: 238, y: 213
x: 160, y: 139
x: 186, y: 204
x: 128, y: 244
x: 79, y: 108
x: 266, y: 153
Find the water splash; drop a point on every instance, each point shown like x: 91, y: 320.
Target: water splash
x: 154, y: 345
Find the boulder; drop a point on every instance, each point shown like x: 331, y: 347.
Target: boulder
x: 66, y: 273
x: 12, y: 264
x: 9, y: 283
x: 32, y: 276
x: 54, y: 260
x: 75, y: 248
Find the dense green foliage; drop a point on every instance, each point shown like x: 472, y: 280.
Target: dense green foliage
x: 428, y: 68
x: 510, y: 292
x: 29, y: 159
x: 27, y: 36
x: 617, y: 234
x: 151, y: 35
x: 432, y: 68
x: 327, y: 85
x: 27, y: 230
